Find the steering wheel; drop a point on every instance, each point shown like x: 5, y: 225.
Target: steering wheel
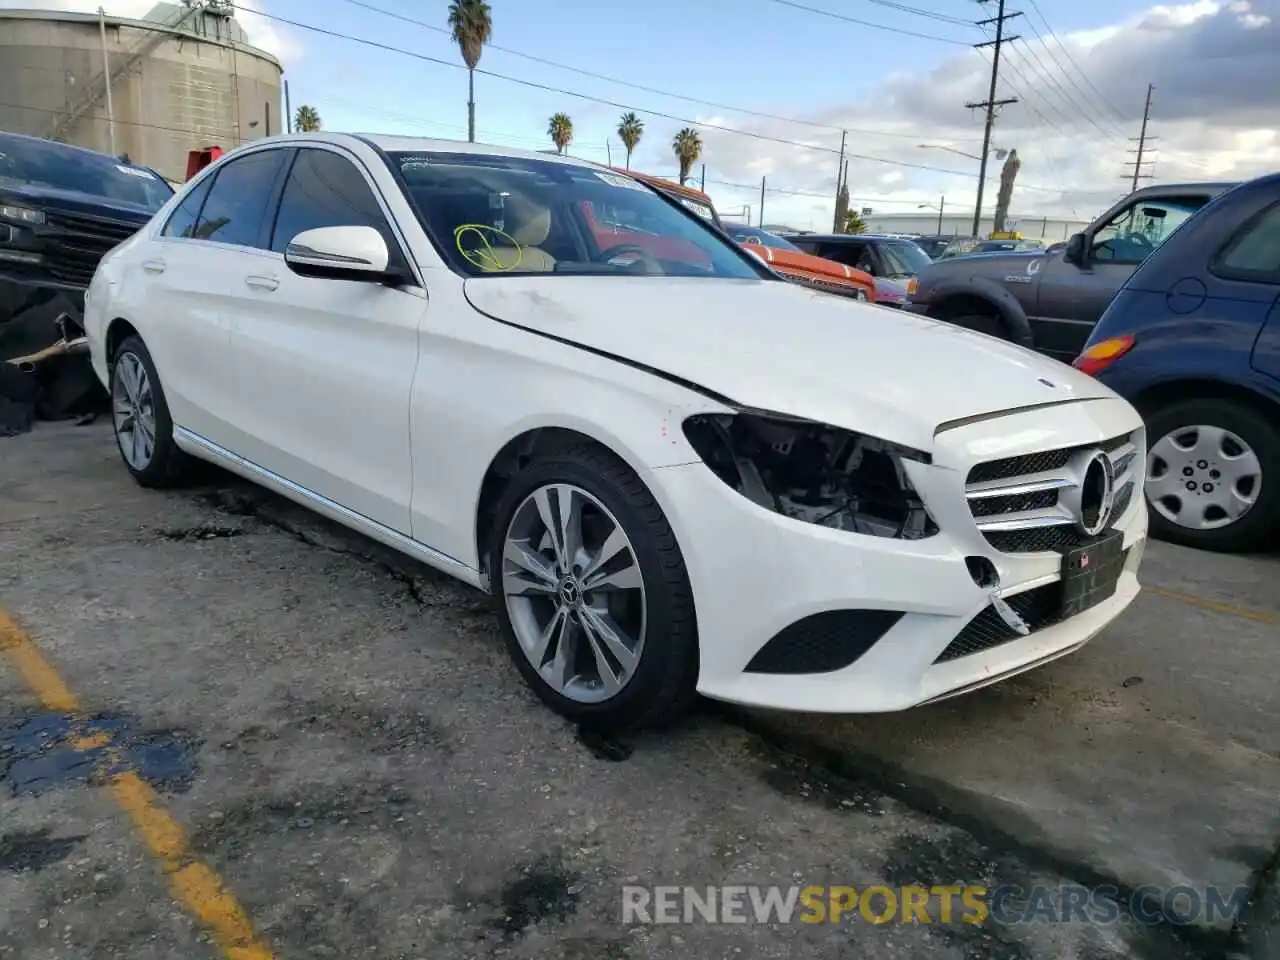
x: 622, y: 249
x: 1115, y: 246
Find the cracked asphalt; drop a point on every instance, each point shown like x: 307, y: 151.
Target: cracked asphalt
x: 345, y: 745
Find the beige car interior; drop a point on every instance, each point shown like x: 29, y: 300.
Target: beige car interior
x: 529, y: 225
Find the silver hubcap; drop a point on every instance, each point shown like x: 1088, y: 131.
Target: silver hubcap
x: 1202, y: 477
x: 133, y: 408
x: 574, y: 593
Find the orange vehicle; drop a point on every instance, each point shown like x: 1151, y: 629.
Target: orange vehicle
x: 786, y: 260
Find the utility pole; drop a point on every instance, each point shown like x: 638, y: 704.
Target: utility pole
x: 608, y: 152
x: 288, y: 109
x: 942, y: 206
x: 1142, y: 140
x: 991, y: 104
x: 835, y: 220
x: 762, y: 179
x: 106, y: 78
x: 703, y: 188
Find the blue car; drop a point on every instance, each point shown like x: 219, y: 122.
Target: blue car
x: 1193, y: 341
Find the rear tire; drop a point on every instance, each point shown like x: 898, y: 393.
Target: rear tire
x: 988, y: 323
x: 141, y: 420
x: 546, y: 603
x: 1233, y: 454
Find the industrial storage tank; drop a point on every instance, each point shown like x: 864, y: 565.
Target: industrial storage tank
x: 183, y: 78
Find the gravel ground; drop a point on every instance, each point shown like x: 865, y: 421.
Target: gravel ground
x: 340, y: 737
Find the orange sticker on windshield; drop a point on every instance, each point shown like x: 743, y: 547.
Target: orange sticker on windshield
x: 482, y: 254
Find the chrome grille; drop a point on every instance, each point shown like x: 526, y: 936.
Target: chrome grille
x: 826, y: 286
x: 1019, y: 503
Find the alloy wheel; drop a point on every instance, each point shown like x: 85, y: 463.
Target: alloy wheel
x: 133, y: 410
x: 574, y: 592
x: 1202, y: 477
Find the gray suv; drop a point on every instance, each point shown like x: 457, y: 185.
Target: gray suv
x: 1049, y: 300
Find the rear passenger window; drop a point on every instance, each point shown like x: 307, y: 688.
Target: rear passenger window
x: 1254, y: 252
x: 182, y: 222
x: 325, y: 189
x: 241, y: 194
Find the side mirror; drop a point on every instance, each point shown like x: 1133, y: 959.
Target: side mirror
x: 341, y: 253
x: 1075, y: 250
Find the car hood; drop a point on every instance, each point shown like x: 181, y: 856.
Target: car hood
x: 794, y: 261
x: 779, y: 347
x: 998, y: 262
x: 73, y: 201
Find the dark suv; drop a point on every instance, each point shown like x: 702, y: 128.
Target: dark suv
x: 1050, y: 300
x: 61, y: 209
x: 1193, y: 341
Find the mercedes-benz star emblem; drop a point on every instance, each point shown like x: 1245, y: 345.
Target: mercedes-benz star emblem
x: 1097, y: 495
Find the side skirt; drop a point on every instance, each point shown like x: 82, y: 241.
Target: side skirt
x: 198, y: 446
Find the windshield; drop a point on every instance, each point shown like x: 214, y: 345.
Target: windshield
x: 762, y: 237
x: 703, y: 210
x: 42, y: 163
x: 933, y: 247
x: 513, y: 215
x: 903, y: 258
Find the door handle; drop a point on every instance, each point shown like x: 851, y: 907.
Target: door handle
x: 153, y: 266
x: 261, y: 282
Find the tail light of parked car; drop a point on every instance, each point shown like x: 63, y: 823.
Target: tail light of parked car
x: 1102, y: 354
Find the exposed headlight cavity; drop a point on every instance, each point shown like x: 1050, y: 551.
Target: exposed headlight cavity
x: 813, y: 472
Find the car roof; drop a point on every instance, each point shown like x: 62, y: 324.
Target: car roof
x: 1190, y: 188
x: 67, y: 147
x: 392, y: 142
x: 855, y: 237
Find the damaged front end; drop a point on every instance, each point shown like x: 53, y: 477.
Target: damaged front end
x: 814, y: 472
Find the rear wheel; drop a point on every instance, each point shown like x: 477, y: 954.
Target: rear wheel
x: 987, y: 323
x: 592, y: 593
x: 140, y: 415
x: 1213, y: 474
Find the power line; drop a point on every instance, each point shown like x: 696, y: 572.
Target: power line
x: 869, y: 24
x: 991, y: 104
x: 614, y: 103
x: 1067, y: 53
x: 627, y: 83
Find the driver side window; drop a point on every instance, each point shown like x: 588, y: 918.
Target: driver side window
x: 1133, y: 233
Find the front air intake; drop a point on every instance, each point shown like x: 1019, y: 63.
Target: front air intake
x: 823, y: 642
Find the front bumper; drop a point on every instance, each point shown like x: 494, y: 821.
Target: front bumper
x: 756, y: 573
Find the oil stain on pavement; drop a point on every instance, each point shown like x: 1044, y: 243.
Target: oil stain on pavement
x: 52, y: 750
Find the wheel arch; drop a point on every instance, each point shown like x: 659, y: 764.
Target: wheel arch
x: 514, y: 456
x: 118, y: 330
x: 980, y: 295
x: 1156, y: 395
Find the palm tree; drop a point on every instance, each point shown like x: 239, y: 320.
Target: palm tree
x: 853, y: 222
x: 306, y: 120
x: 630, y: 130
x: 560, y: 130
x: 688, y: 148
x: 472, y: 24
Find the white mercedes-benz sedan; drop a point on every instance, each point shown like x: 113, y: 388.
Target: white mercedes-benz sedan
x: 676, y: 472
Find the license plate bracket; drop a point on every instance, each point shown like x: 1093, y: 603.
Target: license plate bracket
x: 1090, y: 573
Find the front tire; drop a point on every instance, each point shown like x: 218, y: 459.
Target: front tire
x: 140, y: 417
x: 1213, y: 475
x: 592, y: 592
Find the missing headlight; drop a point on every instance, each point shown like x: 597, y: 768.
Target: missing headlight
x: 813, y: 472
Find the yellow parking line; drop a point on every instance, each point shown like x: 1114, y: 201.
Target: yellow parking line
x: 1258, y: 616
x: 194, y: 884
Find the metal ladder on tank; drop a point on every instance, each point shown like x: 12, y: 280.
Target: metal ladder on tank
x: 98, y: 86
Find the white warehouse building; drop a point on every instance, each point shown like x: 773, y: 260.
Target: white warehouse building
x: 1048, y: 229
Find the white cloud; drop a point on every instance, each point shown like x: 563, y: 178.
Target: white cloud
x: 261, y: 33
x: 1214, y: 112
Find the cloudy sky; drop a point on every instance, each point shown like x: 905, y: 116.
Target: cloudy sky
x: 773, y: 82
